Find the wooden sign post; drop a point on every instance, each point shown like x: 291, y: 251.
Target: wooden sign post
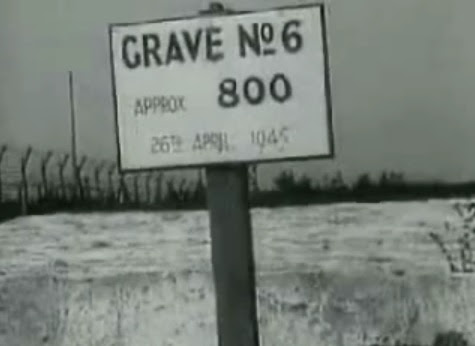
x: 232, y: 252
x: 222, y: 90
x: 232, y: 255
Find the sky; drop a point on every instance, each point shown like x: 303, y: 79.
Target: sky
x: 402, y: 80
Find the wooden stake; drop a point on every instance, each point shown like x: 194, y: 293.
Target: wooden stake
x: 232, y: 255
x: 231, y: 246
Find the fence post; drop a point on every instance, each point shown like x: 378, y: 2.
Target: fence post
x: 148, y: 180
x: 253, y: 178
x: 39, y: 192
x: 21, y: 200
x: 62, y: 164
x: 87, y: 188
x: 136, y: 190
x: 200, y: 188
x: 110, y: 172
x: 124, y: 189
x: 3, y: 150
x: 24, y: 165
x: 97, y: 179
x: 158, y: 188
x: 200, y: 178
x: 183, y: 194
x: 44, y: 177
x: 78, y: 172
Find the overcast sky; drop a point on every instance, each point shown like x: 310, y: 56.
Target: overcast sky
x: 403, y: 79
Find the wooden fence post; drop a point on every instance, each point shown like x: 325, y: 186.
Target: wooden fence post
x: 79, y: 169
x: 148, y: 181
x: 39, y: 192
x: 183, y: 194
x: 158, y: 188
x: 3, y: 150
x: 87, y: 188
x: 22, y: 200
x: 62, y: 164
x: 124, y: 189
x: 44, y: 177
x: 254, y: 184
x: 24, y: 180
x: 110, y: 172
x: 136, y: 190
x: 97, y: 179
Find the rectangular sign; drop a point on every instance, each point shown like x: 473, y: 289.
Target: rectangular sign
x: 245, y: 87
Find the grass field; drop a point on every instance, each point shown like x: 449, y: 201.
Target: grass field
x: 340, y: 275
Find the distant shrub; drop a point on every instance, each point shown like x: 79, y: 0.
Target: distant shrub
x: 459, y: 257
x: 363, y: 182
x: 450, y: 338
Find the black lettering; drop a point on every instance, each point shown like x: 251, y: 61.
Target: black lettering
x: 151, y: 44
x: 223, y: 144
x: 283, y: 134
x: 267, y: 33
x: 174, y: 50
x: 261, y: 139
x: 139, y: 109
x: 165, y: 144
x: 165, y: 105
x: 287, y: 92
x: 157, y: 101
x: 272, y: 137
x: 213, y: 42
x: 197, y: 144
x: 181, y: 102
x: 228, y: 88
x: 148, y: 104
x: 126, y: 58
x: 251, y: 41
x: 155, y: 145
x: 292, y: 40
x: 218, y: 142
x: 226, y: 142
x: 260, y: 90
x: 206, y: 140
x: 193, y: 44
x: 173, y: 106
x: 268, y: 51
x: 213, y: 140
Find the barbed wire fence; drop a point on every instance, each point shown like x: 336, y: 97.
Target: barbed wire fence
x: 35, y: 181
x: 31, y: 179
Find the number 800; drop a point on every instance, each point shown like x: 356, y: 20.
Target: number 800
x: 254, y: 90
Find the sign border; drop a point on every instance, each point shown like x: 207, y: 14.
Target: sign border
x: 327, y: 84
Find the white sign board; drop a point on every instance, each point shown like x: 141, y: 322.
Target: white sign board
x: 245, y: 87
